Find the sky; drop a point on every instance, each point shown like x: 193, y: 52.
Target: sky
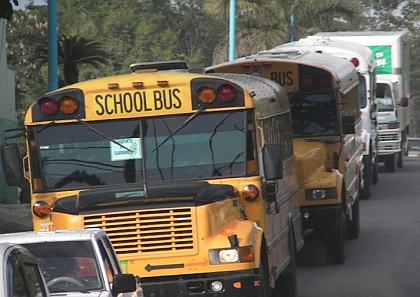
x: 23, y: 3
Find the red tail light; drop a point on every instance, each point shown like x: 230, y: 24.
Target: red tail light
x: 48, y: 106
x: 226, y: 93
x: 355, y: 61
x: 307, y: 82
x: 323, y: 82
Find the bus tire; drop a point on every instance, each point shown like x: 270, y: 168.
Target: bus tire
x: 365, y: 192
x: 391, y: 163
x: 334, y: 244
x: 286, y: 283
x: 375, y: 172
x: 353, y: 226
x: 400, y: 161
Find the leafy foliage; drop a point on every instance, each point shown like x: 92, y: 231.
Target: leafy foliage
x: 101, y: 38
x: 6, y: 9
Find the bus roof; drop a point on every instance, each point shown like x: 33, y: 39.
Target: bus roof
x: 343, y: 71
x: 265, y: 90
x: 339, y: 48
x: 369, y: 37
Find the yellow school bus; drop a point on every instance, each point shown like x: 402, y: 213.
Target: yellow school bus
x: 192, y: 176
x: 326, y: 121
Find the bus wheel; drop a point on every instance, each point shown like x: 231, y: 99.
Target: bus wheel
x: 391, y: 163
x: 375, y: 172
x: 400, y: 162
x: 334, y: 244
x: 353, y: 226
x: 286, y: 283
x: 365, y: 192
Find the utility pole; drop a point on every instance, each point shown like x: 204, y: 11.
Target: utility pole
x: 52, y: 46
x: 232, y: 29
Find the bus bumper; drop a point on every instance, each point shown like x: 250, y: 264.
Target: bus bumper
x: 319, y: 217
x: 240, y: 284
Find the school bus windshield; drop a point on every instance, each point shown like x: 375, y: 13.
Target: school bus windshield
x: 76, y: 155
x: 313, y: 114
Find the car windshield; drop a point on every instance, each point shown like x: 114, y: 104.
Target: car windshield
x: 107, y: 153
x: 385, y: 104
x: 67, y: 266
x: 414, y: 144
x: 384, y: 97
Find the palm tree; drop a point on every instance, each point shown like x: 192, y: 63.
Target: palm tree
x: 74, y: 51
x: 6, y: 9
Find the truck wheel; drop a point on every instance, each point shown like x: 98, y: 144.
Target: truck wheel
x: 353, y: 226
x: 365, y: 192
x: 400, y: 162
x: 375, y: 172
x: 334, y: 244
x: 391, y: 163
x: 286, y: 283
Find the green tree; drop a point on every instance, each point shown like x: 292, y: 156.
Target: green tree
x: 74, y: 51
x: 264, y: 24
x: 6, y: 9
x: 26, y: 32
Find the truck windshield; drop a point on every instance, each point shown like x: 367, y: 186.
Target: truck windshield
x: 414, y: 144
x: 68, y: 266
x: 313, y: 114
x: 211, y: 145
x: 384, y: 97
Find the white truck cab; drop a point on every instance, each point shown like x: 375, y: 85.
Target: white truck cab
x: 77, y: 263
x: 20, y: 274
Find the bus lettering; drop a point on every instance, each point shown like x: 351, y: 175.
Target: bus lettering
x: 283, y: 78
x: 167, y: 100
x: 128, y: 102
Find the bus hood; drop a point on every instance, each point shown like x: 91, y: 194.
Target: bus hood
x: 192, y: 193
x: 310, y: 158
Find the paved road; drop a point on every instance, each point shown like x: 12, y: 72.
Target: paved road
x: 15, y: 218
x: 385, y: 260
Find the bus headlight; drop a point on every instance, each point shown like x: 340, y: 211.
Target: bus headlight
x: 231, y: 255
x: 322, y: 193
x: 228, y: 256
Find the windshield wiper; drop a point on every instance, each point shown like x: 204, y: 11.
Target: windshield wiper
x: 103, y: 135
x: 193, y: 116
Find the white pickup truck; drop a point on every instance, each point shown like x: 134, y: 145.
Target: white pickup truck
x: 77, y: 263
x: 20, y: 274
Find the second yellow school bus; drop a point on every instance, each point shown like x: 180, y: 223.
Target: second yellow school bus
x: 192, y: 176
x: 324, y: 99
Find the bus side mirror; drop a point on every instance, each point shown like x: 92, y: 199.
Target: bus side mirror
x: 123, y: 283
x: 347, y: 124
x: 12, y: 164
x: 273, y: 161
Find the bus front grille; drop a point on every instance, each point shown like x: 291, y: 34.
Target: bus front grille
x: 146, y: 231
